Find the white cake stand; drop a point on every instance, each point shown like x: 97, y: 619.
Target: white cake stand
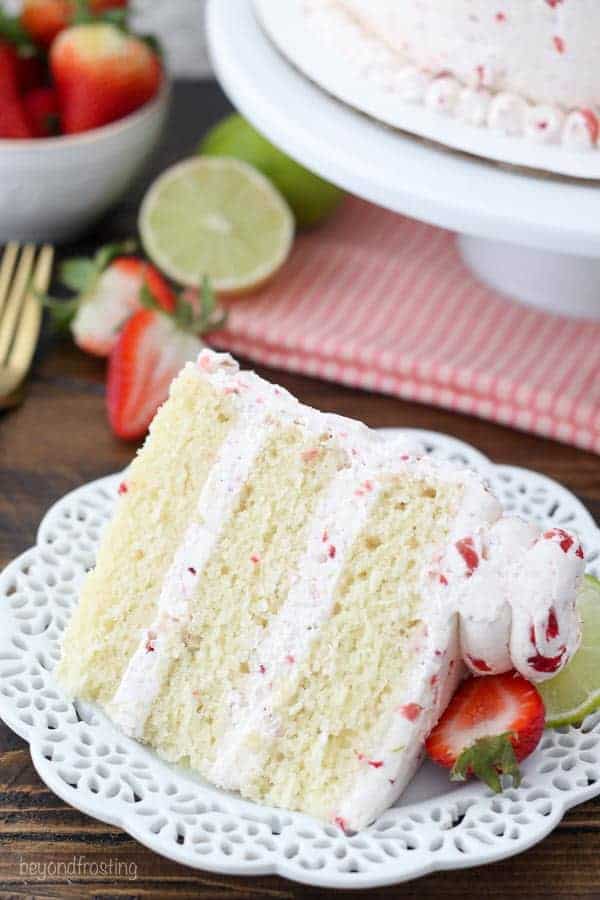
x: 532, y: 236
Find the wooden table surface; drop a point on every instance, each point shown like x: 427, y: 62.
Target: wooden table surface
x: 57, y: 440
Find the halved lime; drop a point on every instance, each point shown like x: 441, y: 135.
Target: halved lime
x: 216, y: 217
x: 575, y: 693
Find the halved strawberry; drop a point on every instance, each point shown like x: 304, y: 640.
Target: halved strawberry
x: 151, y: 350
x: 490, y: 725
x: 13, y: 121
x: 101, y: 75
x: 107, y: 293
x: 114, y: 297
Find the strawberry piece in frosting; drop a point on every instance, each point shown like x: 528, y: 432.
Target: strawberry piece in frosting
x: 516, y: 607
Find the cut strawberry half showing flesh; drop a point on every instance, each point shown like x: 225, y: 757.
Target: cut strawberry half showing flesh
x: 490, y: 725
x: 150, y: 351
x: 113, y: 299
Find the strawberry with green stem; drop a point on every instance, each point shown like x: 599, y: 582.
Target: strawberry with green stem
x: 101, y: 74
x: 43, y: 20
x: 151, y: 350
x: 490, y: 726
x: 107, y: 292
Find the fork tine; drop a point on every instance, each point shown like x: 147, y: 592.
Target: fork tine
x: 11, y: 251
x: 15, y: 300
x: 29, y: 325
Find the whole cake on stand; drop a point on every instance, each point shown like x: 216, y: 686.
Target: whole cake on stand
x: 523, y: 229
x: 521, y: 67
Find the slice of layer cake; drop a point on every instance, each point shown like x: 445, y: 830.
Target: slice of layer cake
x: 284, y: 599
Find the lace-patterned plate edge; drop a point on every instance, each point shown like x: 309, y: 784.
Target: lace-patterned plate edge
x: 82, y: 757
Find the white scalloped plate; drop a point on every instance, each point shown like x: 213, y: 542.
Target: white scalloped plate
x: 84, y: 759
x: 288, y: 27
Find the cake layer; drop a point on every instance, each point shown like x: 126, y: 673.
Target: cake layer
x: 335, y: 716
x: 158, y: 498
x: 238, y: 594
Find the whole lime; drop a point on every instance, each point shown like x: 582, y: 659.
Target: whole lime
x: 311, y: 198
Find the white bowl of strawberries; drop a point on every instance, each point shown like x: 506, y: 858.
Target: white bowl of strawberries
x: 83, y: 103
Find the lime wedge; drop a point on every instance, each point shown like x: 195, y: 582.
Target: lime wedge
x: 575, y: 693
x: 216, y: 217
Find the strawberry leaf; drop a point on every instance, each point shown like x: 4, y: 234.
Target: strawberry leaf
x: 110, y: 252
x: 117, y: 17
x: 148, y: 300
x: 211, y: 318
x: 153, y: 43
x: 185, y: 315
x: 84, y: 15
x: 488, y: 758
x: 62, y: 312
x: 12, y: 31
x: 78, y: 274
x: 208, y: 300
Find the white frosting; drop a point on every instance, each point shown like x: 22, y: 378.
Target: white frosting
x: 507, y: 114
x: 474, y: 105
x: 544, y: 124
x: 541, y: 56
x: 411, y: 84
x: 581, y: 130
x: 501, y: 594
x: 443, y: 95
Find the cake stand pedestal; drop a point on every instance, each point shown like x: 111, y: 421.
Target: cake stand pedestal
x: 531, y: 235
x: 556, y: 282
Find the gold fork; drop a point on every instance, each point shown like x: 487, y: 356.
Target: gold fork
x: 24, y: 275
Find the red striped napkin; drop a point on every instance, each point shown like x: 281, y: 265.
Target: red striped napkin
x: 377, y: 301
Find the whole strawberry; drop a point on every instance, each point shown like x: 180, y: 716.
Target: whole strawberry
x: 43, y: 20
x: 13, y: 119
x: 101, y: 74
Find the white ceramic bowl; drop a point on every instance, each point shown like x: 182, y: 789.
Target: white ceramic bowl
x: 52, y: 189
